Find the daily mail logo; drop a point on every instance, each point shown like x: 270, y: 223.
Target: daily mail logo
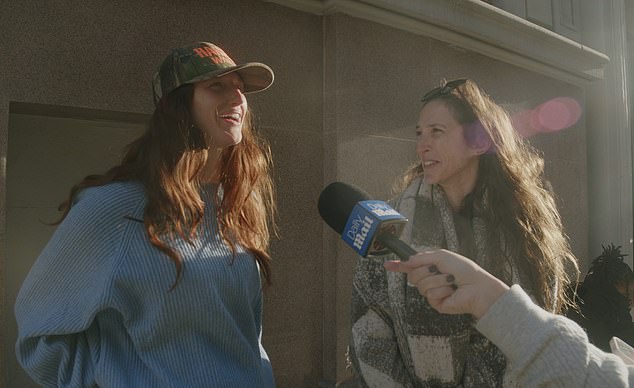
x: 381, y: 210
x: 363, y: 222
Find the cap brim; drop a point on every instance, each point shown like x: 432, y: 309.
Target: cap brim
x: 255, y: 76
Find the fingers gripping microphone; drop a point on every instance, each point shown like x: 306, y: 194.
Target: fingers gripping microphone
x: 370, y: 227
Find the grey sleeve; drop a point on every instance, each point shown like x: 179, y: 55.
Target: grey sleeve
x: 545, y: 349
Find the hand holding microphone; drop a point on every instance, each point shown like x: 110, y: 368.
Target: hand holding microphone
x: 451, y: 283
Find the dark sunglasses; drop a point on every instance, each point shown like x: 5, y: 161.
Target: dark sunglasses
x: 443, y: 90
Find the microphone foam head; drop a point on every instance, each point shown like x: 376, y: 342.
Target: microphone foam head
x: 336, y: 202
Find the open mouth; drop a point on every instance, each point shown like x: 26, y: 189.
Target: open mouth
x: 430, y: 163
x: 232, y: 118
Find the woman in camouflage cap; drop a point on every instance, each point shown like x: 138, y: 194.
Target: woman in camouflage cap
x: 153, y: 277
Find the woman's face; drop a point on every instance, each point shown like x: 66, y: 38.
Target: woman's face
x: 446, y: 157
x: 218, y: 108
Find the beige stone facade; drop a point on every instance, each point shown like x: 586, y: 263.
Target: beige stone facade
x: 75, y: 87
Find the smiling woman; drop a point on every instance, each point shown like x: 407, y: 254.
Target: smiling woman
x: 218, y: 108
x: 154, y: 275
x: 447, y: 159
x: 478, y: 190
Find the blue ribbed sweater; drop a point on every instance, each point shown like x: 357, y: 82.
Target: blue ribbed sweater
x: 95, y: 309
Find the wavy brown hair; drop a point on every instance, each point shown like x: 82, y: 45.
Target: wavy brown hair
x: 524, y: 225
x: 167, y: 160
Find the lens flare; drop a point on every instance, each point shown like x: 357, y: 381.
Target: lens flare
x: 552, y: 116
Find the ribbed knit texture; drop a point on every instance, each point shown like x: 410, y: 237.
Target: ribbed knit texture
x: 96, y: 310
x: 548, y: 350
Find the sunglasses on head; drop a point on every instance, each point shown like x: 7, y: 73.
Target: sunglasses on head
x: 443, y: 90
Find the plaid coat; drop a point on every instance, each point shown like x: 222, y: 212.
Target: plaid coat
x: 398, y: 339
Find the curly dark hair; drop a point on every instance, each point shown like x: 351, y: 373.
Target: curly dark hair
x: 603, y: 309
x: 608, y: 269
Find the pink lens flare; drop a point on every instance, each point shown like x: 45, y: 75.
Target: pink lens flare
x: 552, y: 116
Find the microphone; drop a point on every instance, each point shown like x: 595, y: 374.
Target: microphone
x: 368, y: 226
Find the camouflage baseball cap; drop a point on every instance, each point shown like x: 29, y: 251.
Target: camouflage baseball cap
x: 200, y: 61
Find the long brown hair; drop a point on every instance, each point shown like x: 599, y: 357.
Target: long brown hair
x: 518, y: 204
x: 168, y: 158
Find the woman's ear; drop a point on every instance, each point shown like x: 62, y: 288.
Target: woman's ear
x: 482, y: 146
x: 477, y: 137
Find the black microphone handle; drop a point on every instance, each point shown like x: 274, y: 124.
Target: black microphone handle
x: 396, y: 245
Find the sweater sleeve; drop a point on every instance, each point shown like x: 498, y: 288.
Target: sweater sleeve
x: 69, y: 283
x: 374, y: 354
x: 545, y: 349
